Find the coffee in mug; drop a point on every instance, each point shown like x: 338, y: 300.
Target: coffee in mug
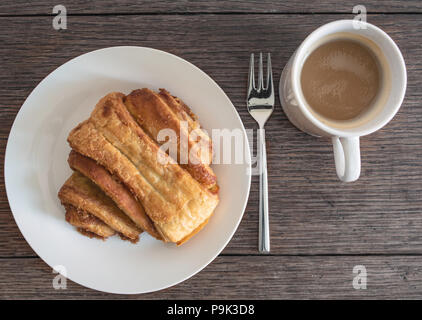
x: 341, y: 79
x: 344, y: 82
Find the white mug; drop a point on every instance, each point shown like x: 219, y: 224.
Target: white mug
x: 345, y: 134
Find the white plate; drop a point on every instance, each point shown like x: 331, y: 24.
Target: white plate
x: 36, y: 167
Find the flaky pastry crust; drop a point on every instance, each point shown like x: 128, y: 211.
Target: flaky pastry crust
x: 175, y: 202
x: 114, y: 189
x: 156, y: 112
x: 83, y: 220
x: 84, y: 195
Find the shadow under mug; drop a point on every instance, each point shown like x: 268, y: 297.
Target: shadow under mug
x: 345, y: 135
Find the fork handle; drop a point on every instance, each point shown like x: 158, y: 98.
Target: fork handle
x: 264, y: 230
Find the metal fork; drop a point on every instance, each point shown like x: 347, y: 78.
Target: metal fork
x: 260, y: 102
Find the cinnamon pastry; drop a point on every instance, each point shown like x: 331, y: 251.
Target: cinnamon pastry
x: 155, y: 112
x: 84, y: 195
x: 176, y: 203
x: 114, y: 189
x: 87, y: 224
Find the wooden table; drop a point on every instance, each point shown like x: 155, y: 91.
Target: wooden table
x: 320, y: 228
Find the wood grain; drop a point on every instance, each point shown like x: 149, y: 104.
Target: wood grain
x: 311, y: 211
x: 320, y: 227
x: 392, y: 277
x: 20, y: 7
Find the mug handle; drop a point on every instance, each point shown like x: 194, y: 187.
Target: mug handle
x: 347, y: 158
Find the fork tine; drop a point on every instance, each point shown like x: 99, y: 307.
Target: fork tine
x: 270, y: 84
x: 260, y: 74
x: 251, y: 79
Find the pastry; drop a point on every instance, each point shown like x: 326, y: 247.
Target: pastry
x: 114, y: 189
x: 156, y: 112
x: 87, y: 224
x: 176, y: 203
x: 84, y: 195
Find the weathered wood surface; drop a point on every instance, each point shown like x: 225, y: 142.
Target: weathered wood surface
x: 21, y: 7
x: 312, y: 213
x: 245, y: 277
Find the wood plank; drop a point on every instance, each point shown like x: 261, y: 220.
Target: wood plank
x: 392, y: 277
x: 311, y: 211
x: 13, y: 7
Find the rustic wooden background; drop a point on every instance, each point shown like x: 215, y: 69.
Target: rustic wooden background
x: 320, y: 228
